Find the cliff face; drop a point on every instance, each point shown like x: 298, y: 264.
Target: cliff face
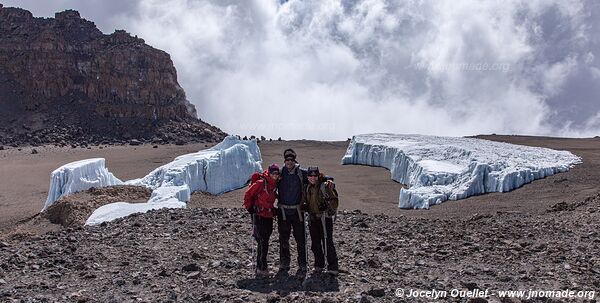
x: 63, y: 72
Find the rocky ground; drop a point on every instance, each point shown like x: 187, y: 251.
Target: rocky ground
x: 174, y: 132
x: 203, y: 255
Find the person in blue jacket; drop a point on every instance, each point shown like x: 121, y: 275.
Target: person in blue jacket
x: 290, y: 215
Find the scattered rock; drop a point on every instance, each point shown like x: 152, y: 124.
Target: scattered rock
x: 135, y: 142
x: 376, y: 292
x: 469, y: 285
x: 364, y: 299
x: 204, y: 297
x: 273, y: 298
x: 164, y: 273
x: 374, y: 263
x: 190, y: 267
x: 562, y: 206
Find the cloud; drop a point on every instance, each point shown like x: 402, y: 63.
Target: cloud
x: 330, y: 69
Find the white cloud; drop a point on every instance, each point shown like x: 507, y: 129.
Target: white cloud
x: 327, y: 69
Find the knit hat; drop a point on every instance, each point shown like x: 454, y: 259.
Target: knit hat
x: 312, y: 171
x: 274, y: 168
x: 289, y: 153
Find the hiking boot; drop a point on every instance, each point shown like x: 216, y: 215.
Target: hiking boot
x: 333, y: 272
x: 302, y: 271
x: 282, y: 272
x: 262, y: 273
x: 317, y: 270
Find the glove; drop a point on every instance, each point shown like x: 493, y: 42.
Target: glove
x: 329, y: 183
x: 251, y: 210
x: 323, y: 206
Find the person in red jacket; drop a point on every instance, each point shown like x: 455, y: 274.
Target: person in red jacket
x: 258, y: 201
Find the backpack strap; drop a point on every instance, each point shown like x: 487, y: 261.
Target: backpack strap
x: 265, y: 182
x: 298, y: 173
x: 324, y: 193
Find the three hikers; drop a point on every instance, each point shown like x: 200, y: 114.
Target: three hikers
x: 298, y: 191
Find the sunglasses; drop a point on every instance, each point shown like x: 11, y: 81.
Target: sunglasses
x: 289, y: 159
x: 313, y: 175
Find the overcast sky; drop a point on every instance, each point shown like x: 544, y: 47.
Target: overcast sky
x: 328, y: 69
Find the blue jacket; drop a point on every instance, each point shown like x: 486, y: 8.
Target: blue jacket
x: 290, y: 187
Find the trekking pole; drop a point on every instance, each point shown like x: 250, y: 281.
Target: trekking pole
x: 254, y: 249
x: 324, y: 238
x: 305, y: 281
x: 306, y: 238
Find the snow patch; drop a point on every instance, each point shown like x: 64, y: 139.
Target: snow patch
x: 116, y: 210
x: 437, y: 169
x: 78, y: 176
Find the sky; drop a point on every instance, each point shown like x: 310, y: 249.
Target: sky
x: 330, y: 69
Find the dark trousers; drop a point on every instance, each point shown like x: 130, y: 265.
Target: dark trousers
x: 285, y: 228
x: 263, y: 228
x: 318, y: 242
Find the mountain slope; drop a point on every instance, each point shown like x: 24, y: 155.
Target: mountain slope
x: 63, y: 80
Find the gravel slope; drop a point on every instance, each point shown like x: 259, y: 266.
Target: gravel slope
x: 202, y: 254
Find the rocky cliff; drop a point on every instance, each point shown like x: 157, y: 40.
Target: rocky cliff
x: 63, y: 80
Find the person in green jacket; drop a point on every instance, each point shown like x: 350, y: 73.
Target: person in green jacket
x: 321, y: 203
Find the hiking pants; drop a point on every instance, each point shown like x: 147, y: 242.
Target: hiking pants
x: 317, y: 238
x: 285, y: 228
x: 264, y: 228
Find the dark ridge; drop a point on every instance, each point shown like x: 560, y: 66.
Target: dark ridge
x: 64, y: 82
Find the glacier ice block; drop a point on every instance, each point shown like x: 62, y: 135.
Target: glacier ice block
x: 437, y: 169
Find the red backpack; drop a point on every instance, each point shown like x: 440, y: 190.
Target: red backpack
x: 257, y: 176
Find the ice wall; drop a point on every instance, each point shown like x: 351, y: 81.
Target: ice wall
x: 224, y: 167
x: 437, y: 169
x: 78, y: 176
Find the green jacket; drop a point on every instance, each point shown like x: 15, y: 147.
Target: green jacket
x: 314, y: 195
